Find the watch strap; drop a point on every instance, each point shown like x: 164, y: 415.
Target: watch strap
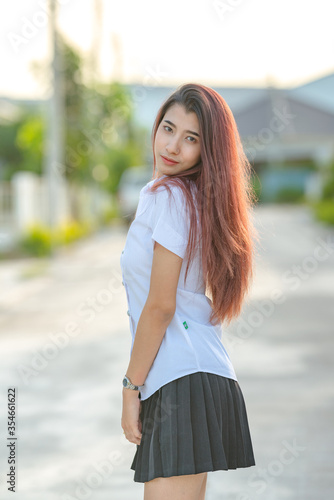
x: 129, y: 385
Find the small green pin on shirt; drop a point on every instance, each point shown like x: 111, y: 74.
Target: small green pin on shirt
x: 185, y: 325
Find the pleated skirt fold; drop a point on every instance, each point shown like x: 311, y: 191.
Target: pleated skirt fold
x: 196, y: 423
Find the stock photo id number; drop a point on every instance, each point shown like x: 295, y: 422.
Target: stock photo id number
x: 11, y: 475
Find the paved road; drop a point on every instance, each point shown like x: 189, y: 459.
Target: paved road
x: 65, y: 344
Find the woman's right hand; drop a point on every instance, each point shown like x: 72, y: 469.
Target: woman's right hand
x: 130, y: 422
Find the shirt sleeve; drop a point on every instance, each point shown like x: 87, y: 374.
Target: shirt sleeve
x: 170, y: 222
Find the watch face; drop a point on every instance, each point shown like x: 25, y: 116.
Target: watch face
x: 125, y: 382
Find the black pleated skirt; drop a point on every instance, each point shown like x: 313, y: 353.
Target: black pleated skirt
x: 196, y: 423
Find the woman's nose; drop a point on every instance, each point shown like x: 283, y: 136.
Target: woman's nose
x: 173, y: 146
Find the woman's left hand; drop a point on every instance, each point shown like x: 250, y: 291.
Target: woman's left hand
x: 130, y: 422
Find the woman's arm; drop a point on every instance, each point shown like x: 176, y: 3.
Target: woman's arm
x: 151, y: 329
x: 156, y: 315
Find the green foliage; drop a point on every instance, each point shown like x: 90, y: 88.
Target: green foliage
x: 115, y: 104
x: 29, y: 140
x: 98, y: 128
x: 10, y: 155
x: 21, y: 145
x: 72, y: 81
x: 328, y: 189
x: 289, y: 195
x: 70, y: 232
x: 109, y: 215
x: 38, y: 240
x: 324, y: 208
x: 118, y: 160
x: 256, y: 187
x: 324, y: 211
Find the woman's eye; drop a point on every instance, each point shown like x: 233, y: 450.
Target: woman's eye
x: 169, y: 129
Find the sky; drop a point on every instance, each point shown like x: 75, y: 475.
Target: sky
x: 219, y: 42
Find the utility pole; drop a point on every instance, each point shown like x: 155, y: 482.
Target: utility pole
x: 54, y: 165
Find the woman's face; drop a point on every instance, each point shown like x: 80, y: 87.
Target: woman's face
x: 177, y: 139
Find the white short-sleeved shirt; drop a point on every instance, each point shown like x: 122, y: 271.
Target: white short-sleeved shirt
x: 191, y: 343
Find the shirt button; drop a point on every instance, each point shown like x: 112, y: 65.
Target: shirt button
x: 128, y: 312
x: 122, y: 251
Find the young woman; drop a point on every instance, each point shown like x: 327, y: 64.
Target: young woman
x: 186, y: 267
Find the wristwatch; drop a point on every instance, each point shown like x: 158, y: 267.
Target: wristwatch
x: 129, y: 385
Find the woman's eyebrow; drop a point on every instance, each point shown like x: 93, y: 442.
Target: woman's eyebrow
x: 188, y: 131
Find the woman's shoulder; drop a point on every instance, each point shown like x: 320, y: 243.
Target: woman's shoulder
x: 163, y: 191
x: 167, y: 196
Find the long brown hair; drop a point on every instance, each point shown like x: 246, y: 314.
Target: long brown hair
x: 223, y: 196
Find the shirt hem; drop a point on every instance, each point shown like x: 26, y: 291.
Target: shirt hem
x: 196, y: 370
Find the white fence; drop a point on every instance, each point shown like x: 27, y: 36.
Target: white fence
x: 25, y: 201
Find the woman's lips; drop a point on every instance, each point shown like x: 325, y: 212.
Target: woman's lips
x: 168, y: 162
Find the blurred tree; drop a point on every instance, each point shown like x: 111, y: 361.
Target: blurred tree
x: 29, y: 140
x: 328, y: 189
x: 99, y: 129
x: 99, y: 126
x: 10, y: 155
x: 119, y: 159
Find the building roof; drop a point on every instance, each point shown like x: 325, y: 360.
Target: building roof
x: 312, y: 103
x: 319, y: 92
x: 284, y: 116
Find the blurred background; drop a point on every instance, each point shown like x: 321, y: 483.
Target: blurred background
x: 81, y: 83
